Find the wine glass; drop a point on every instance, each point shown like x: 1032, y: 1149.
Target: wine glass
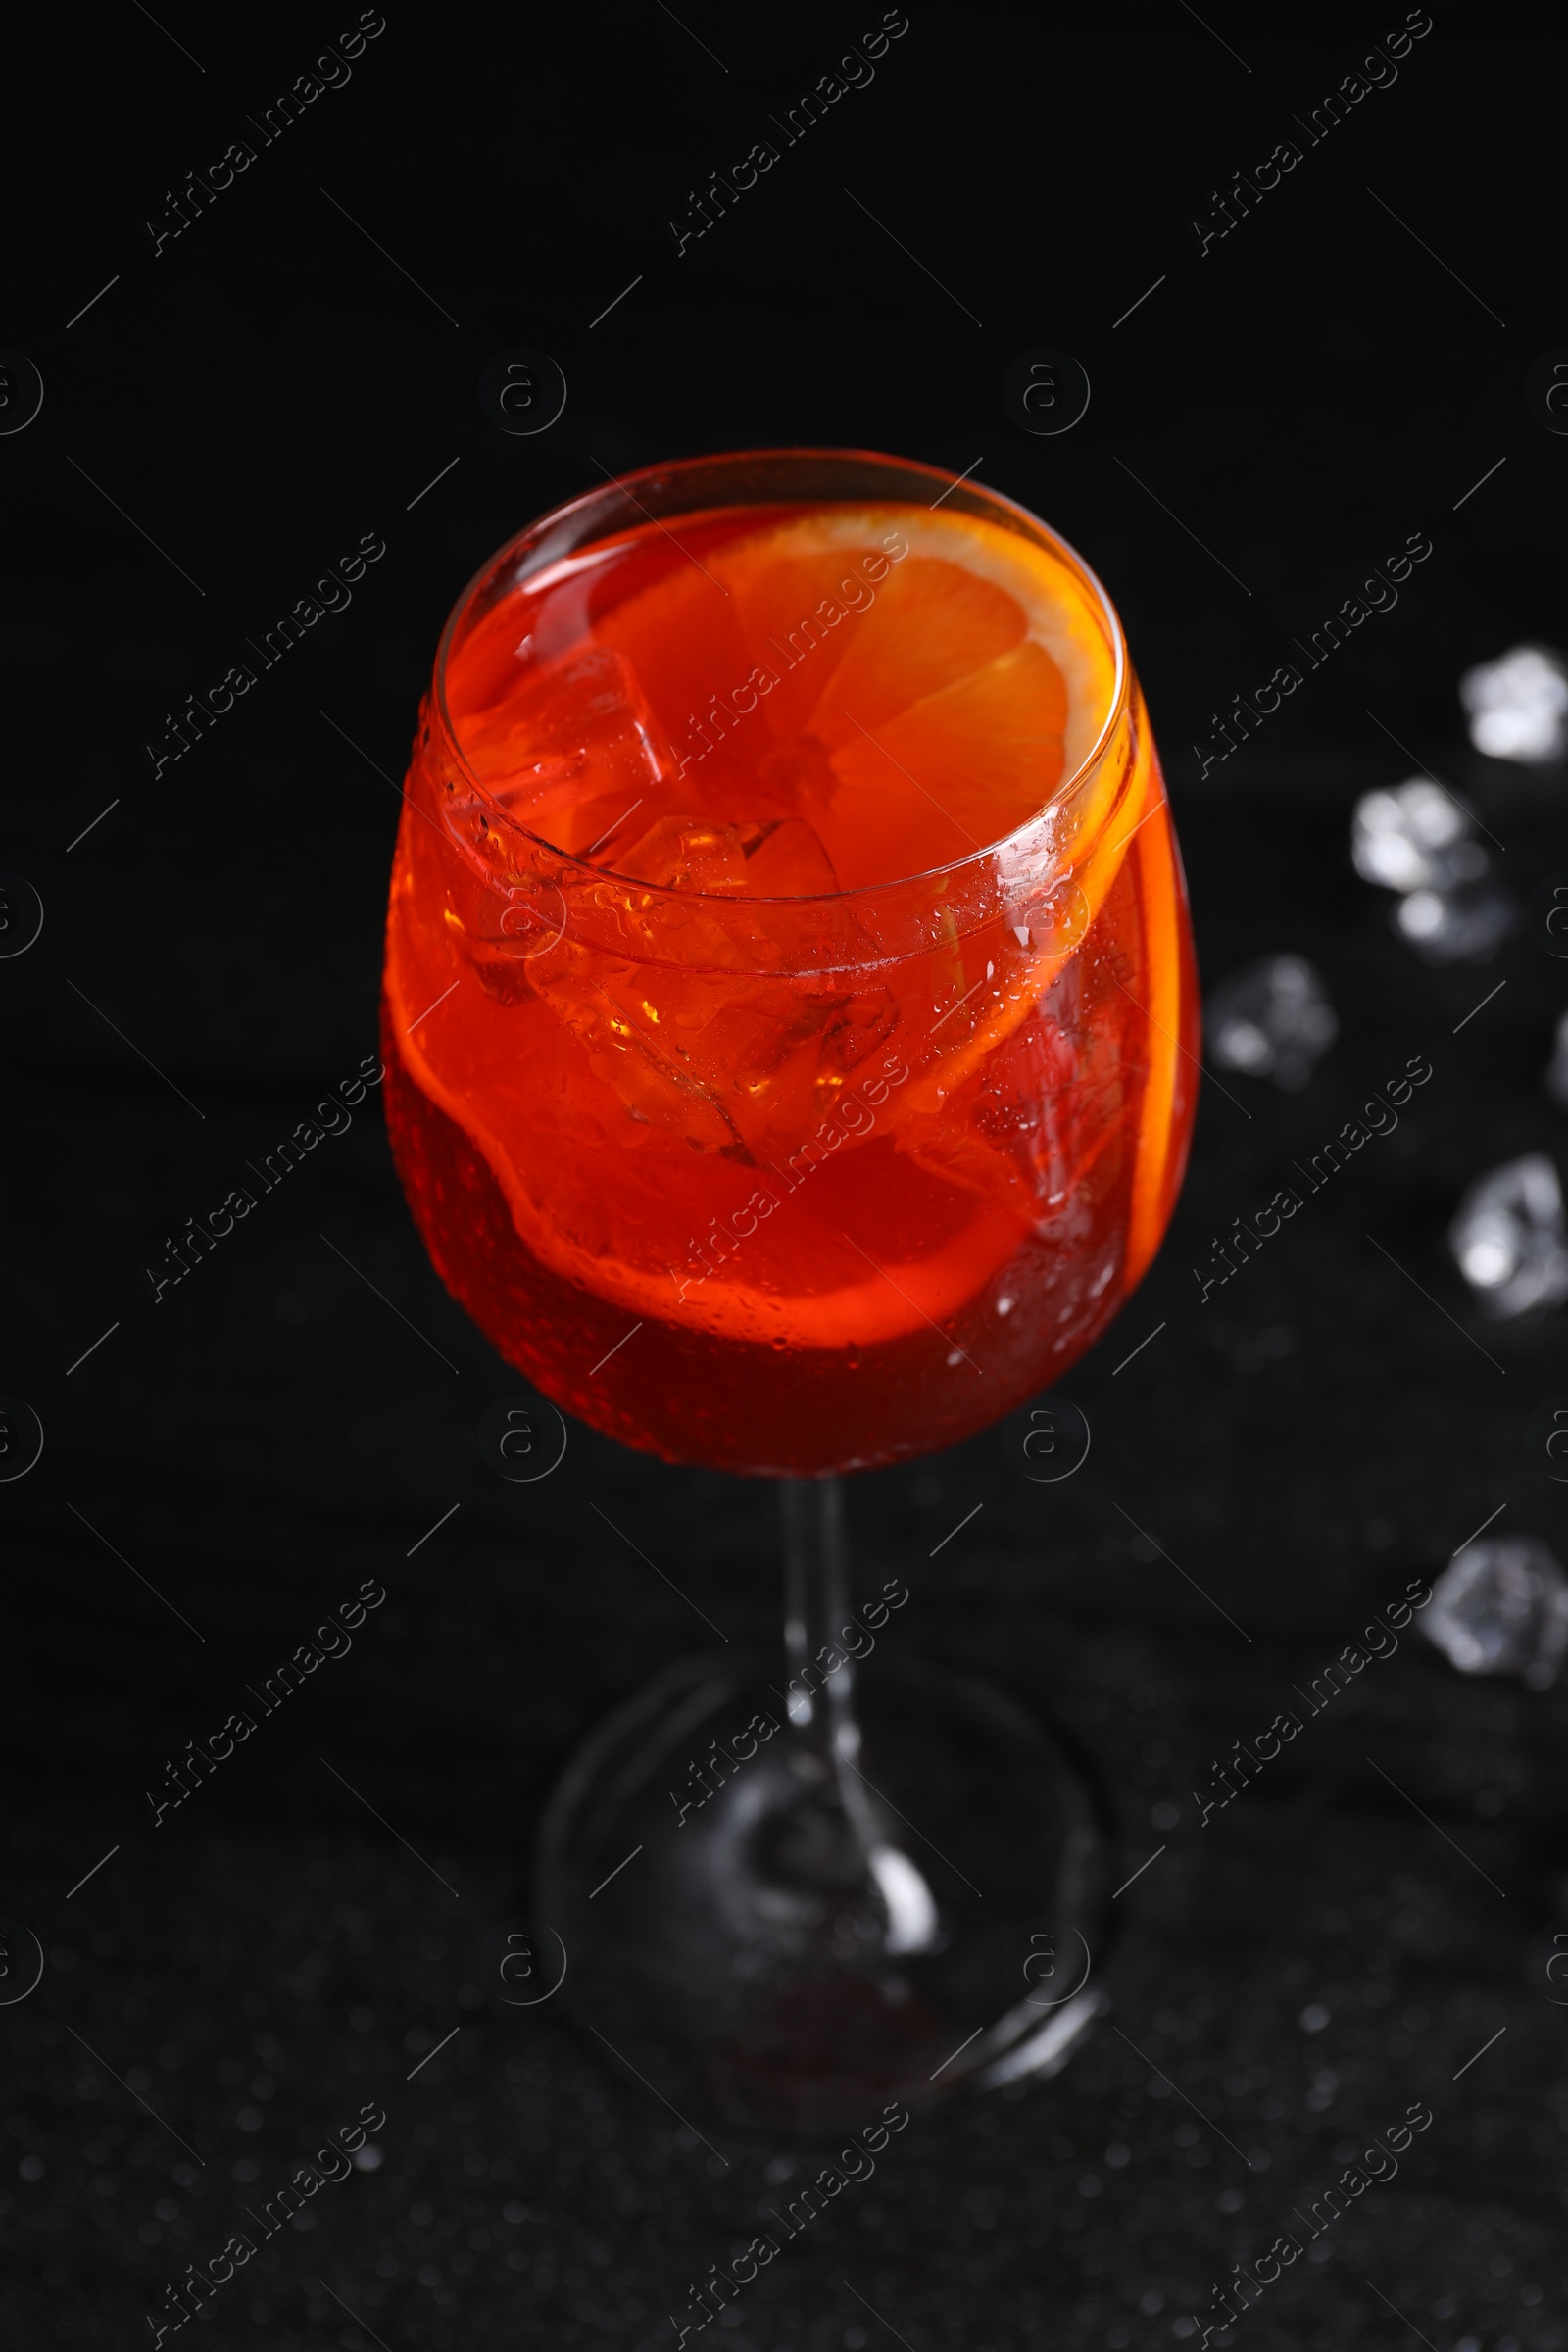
x: 768, y: 1127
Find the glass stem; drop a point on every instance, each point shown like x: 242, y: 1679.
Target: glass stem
x: 822, y: 1724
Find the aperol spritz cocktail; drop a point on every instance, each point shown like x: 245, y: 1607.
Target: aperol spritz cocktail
x: 789, y: 1003
x: 790, y: 1031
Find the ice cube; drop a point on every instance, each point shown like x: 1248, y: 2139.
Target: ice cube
x: 857, y: 1026
x: 739, y: 1063
x: 770, y: 857
x: 1509, y: 1240
x: 1414, y: 837
x: 1501, y: 1608
x: 1418, y: 840
x: 1272, y: 1020
x: 660, y: 1083
x: 575, y: 751
x: 1518, y: 706
x: 1557, y: 1068
x: 787, y: 861
x: 687, y: 853
x: 1454, y: 926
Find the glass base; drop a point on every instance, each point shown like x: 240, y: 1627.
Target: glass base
x: 751, y: 1936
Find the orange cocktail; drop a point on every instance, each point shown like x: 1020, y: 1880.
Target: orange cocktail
x: 789, y: 1003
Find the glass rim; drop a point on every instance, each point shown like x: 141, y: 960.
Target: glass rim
x: 975, y: 497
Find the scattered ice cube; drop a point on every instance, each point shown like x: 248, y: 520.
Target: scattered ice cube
x: 1518, y: 706
x: 1557, y: 1066
x: 1507, y: 1237
x: 1501, y: 1608
x: 1415, y: 837
x: 1455, y: 926
x: 1271, y: 1021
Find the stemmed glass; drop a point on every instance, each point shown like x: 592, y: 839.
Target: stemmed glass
x: 789, y: 1186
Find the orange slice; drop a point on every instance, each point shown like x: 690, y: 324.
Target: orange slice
x: 934, y: 624
x: 950, y: 774
x: 1157, y: 1175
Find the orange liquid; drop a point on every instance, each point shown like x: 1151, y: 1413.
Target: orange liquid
x: 740, y: 1169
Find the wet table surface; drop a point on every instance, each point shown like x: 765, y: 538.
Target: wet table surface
x: 1287, y: 1978
x: 298, y: 1944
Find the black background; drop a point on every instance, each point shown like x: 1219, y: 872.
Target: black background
x: 271, y: 386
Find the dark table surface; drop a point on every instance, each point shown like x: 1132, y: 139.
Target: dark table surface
x: 227, y: 417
